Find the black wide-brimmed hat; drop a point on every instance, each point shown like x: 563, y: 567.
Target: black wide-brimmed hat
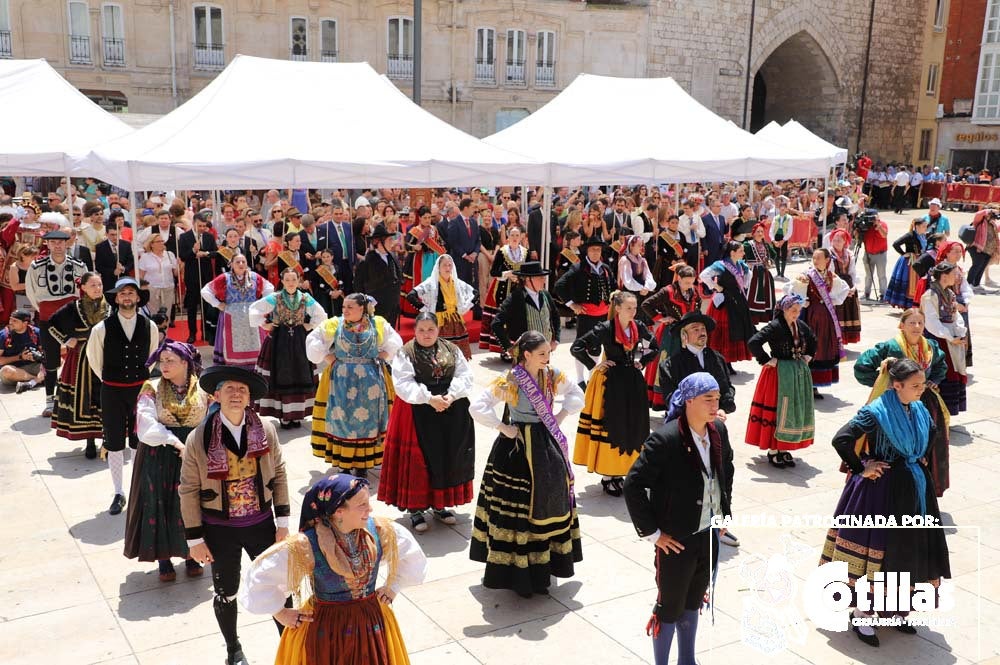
x: 688, y: 319
x: 594, y: 240
x: 380, y: 232
x: 126, y: 282
x: 216, y: 375
x: 531, y: 269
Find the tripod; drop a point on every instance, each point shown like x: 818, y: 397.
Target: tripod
x: 858, y: 245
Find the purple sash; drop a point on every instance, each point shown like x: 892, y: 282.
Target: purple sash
x: 824, y: 293
x: 543, y: 408
x: 736, y: 271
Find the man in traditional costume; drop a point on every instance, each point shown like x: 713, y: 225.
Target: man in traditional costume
x: 117, y: 353
x: 528, y: 307
x: 233, y: 489
x: 586, y: 289
x: 49, y: 284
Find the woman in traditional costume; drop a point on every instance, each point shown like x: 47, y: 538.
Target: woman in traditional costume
x: 885, y: 447
x: 953, y: 252
x: 781, y: 412
x: 729, y: 279
x: 634, y: 273
x: 169, y: 407
x: 291, y: 257
x: 903, y: 283
x: 568, y: 257
x: 448, y: 298
x: 821, y: 291
x: 238, y: 340
x: 340, y: 616
x: 229, y: 250
x: 845, y: 267
x: 670, y: 248
x: 666, y: 307
x: 508, y: 259
x: 615, y: 417
x: 77, y: 411
x: 286, y: 316
x: 911, y: 343
x: 526, y: 527
x: 943, y: 325
x: 423, y: 246
x: 351, y: 411
x: 759, y: 256
x: 430, y: 447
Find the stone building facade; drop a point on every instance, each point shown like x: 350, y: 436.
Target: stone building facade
x: 487, y: 63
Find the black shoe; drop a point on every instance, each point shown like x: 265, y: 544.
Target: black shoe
x: 360, y: 473
x: 906, y: 629
x: 237, y: 658
x: 286, y: 425
x: 570, y: 324
x: 816, y: 394
x: 117, y: 504
x: 870, y: 640
x: 786, y: 457
x: 296, y: 424
x: 90, y: 452
x: 732, y: 370
x: 190, y: 339
x: 506, y: 357
x: 776, y: 460
x: 612, y: 487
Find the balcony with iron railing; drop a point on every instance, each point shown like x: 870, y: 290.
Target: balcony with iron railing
x: 299, y: 54
x: 485, y: 71
x: 79, y: 50
x: 209, y: 57
x: 545, y: 74
x: 400, y: 66
x: 515, y: 73
x: 328, y: 56
x: 114, y: 52
x: 5, y: 45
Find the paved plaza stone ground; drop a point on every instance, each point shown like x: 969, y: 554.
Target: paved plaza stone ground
x: 71, y: 597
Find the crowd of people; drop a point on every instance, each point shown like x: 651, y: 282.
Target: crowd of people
x: 303, y: 311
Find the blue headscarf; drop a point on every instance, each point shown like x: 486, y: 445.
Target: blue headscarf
x: 690, y: 387
x: 328, y: 494
x: 908, y: 434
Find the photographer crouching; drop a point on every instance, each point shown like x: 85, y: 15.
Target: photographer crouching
x: 21, y: 353
x: 873, y: 234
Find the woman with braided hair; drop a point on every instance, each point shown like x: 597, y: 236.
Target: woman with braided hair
x: 340, y: 614
x: 943, y: 325
x: 526, y: 527
x: 615, y: 417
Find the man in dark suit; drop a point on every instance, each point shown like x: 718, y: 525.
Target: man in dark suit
x: 113, y: 259
x: 529, y: 295
x: 380, y: 276
x: 310, y: 242
x: 682, y: 479
x: 715, y: 232
x: 463, y: 243
x: 617, y: 217
x: 79, y: 251
x: 197, y: 249
x: 335, y: 233
x: 694, y: 355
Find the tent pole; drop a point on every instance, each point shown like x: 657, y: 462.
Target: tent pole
x: 677, y: 198
x: 826, y: 199
x: 133, y: 204
x: 543, y: 251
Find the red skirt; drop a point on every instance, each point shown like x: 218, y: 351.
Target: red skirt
x: 652, y: 372
x: 405, y: 481
x: 732, y: 351
x: 763, y: 419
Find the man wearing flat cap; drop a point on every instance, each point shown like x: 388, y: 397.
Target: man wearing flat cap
x: 117, y: 351
x: 233, y: 489
x: 49, y: 284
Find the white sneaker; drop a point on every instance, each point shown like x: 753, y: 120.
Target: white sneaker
x: 445, y: 517
x: 729, y: 538
x: 418, y: 522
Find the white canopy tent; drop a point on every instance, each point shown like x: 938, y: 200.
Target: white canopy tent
x: 661, y: 135
x: 46, y: 120
x: 351, y: 128
x: 794, y: 136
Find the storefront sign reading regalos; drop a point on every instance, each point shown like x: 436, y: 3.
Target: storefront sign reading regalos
x: 976, y: 137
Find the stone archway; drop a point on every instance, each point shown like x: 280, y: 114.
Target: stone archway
x: 797, y: 81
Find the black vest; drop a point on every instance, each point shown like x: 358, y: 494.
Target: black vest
x: 124, y: 360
